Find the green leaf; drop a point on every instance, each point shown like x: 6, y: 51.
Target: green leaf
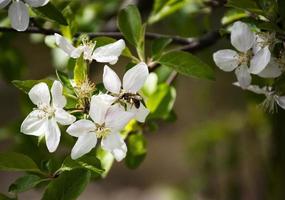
x: 26, y: 85
x: 101, y: 41
x: 64, y: 79
x: 130, y: 24
x: 158, y: 45
x: 80, y: 71
x: 88, y: 161
x: 51, y: 12
x: 106, y: 159
x: 17, y: 162
x: 164, y: 8
x: 25, y: 183
x: 187, y: 64
x: 249, y: 5
x: 68, y: 186
x: 4, y: 197
x: 136, y: 150
x: 161, y: 102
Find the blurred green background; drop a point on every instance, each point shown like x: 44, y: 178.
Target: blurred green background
x: 222, y: 145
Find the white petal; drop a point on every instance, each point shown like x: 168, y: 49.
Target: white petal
x: 135, y: 77
x: 33, y: 124
x: 83, y: 145
x: 111, y: 80
x: 88, y: 52
x: 58, y: 100
x: 281, y: 101
x: 243, y: 76
x: 227, y: 60
x: 242, y: 38
x: 4, y: 3
x: 254, y: 88
x: 52, y: 135
x: 81, y: 127
x: 76, y: 53
x: 19, y: 15
x: 140, y: 114
x: 258, y: 44
x: 39, y: 94
x: 37, y: 3
x: 272, y: 70
x: 63, y: 117
x: 115, y: 145
x: 98, y: 107
x: 260, y: 60
x: 67, y: 47
x: 117, y: 119
x: 110, y: 52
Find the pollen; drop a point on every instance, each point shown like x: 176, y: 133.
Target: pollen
x: 47, y: 111
x: 102, y: 131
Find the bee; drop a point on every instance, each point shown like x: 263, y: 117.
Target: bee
x: 134, y: 99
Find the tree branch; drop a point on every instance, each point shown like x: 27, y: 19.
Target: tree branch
x: 190, y: 43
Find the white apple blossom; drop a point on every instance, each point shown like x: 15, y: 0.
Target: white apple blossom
x: 42, y: 121
x: 18, y: 12
x: 133, y: 81
x: 104, y: 54
x: 107, y: 122
x: 272, y: 98
x: 244, y: 62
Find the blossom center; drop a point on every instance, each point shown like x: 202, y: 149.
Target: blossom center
x: 47, y: 111
x: 102, y: 131
x: 88, y: 48
x: 244, y: 57
x: 85, y: 89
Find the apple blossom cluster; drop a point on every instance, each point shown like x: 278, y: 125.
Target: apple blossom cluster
x: 108, y: 113
x: 18, y: 11
x: 253, y: 56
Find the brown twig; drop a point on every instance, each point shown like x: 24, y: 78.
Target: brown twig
x: 175, y: 39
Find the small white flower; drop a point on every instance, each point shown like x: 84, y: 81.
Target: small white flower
x: 104, y: 54
x: 242, y: 38
x: 107, y: 122
x: 133, y: 81
x: 43, y: 119
x: 18, y: 12
x: 272, y: 98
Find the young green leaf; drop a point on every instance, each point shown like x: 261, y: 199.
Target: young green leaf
x: 17, y: 162
x: 164, y: 8
x: 4, y: 197
x: 26, y: 85
x: 248, y: 5
x: 106, y: 159
x: 158, y: 46
x: 161, y: 102
x: 51, y: 12
x: 63, y: 77
x: 88, y: 161
x: 187, y: 64
x: 25, y: 183
x: 68, y: 186
x: 130, y: 24
x: 80, y: 71
x: 136, y: 150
